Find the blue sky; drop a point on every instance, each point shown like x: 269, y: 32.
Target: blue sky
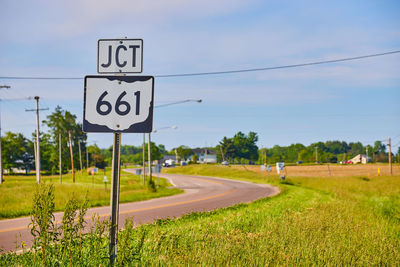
x: 350, y: 101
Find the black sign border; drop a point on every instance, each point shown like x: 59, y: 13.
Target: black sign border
x: 141, y: 127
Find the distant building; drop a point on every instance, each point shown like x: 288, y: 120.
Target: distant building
x: 360, y: 158
x: 169, y: 160
x: 205, y: 155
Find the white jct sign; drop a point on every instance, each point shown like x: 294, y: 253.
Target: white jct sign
x: 120, y: 56
x: 118, y: 104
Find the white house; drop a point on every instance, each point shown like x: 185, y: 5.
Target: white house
x: 360, y: 158
x: 205, y: 155
x: 169, y: 160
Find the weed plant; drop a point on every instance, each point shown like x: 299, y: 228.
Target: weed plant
x: 314, y: 221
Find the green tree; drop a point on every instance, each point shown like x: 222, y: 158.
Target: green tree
x: 227, y: 147
x: 245, y: 146
x: 48, y: 159
x: 62, y: 122
x: 379, y: 147
x: 356, y: 148
x: 154, y: 150
x: 184, y: 152
x: 16, y: 152
x: 96, y: 157
x: 195, y: 158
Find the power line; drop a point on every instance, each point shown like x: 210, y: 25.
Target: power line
x: 278, y: 67
x: 179, y: 102
x: 396, y: 136
x: 221, y: 72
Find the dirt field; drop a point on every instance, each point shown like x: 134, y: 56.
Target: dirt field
x: 331, y: 170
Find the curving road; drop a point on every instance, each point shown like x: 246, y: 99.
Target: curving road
x: 201, y: 194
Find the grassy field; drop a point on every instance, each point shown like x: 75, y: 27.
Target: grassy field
x: 333, y: 221
x: 17, y: 191
x: 368, y: 170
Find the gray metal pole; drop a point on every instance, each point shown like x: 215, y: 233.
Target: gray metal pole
x: 114, y: 201
x: 149, y: 152
x: 59, y: 156
x: 37, y: 142
x: 144, y: 160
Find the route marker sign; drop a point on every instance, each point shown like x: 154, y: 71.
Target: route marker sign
x: 118, y: 104
x: 120, y: 56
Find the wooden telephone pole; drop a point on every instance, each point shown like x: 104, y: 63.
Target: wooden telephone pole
x: 72, y: 157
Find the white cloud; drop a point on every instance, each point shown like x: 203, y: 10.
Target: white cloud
x: 45, y: 19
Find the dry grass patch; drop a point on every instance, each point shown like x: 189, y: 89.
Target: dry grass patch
x: 369, y: 170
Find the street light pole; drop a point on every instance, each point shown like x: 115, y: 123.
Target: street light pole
x: 144, y: 137
x: 154, y: 131
x: 158, y: 106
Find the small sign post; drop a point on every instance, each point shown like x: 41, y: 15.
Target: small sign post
x: 118, y: 104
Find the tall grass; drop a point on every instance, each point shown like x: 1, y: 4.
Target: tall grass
x: 314, y: 221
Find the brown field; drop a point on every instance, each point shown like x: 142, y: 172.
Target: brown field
x: 330, y: 169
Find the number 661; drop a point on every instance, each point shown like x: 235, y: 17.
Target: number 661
x: 118, y: 104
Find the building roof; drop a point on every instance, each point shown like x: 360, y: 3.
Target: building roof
x: 202, y: 151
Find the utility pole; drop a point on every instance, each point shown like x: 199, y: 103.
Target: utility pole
x: 37, y: 163
x: 316, y: 154
x: 1, y: 159
x: 390, y: 156
x: 59, y: 156
x: 72, y: 157
x: 265, y: 151
x: 87, y: 157
x: 94, y: 158
x: 149, y: 152
x: 80, y: 154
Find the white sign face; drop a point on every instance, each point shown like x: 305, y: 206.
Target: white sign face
x: 118, y: 104
x: 280, y: 166
x: 120, y: 56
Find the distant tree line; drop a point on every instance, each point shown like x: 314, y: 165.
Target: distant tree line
x: 18, y: 150
x: 324, y: 152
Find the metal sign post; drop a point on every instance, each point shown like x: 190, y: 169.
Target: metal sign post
x: 118, y: 104
x: 114, y: 201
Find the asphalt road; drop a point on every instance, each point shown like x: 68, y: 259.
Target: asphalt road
x: 201, y: 194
